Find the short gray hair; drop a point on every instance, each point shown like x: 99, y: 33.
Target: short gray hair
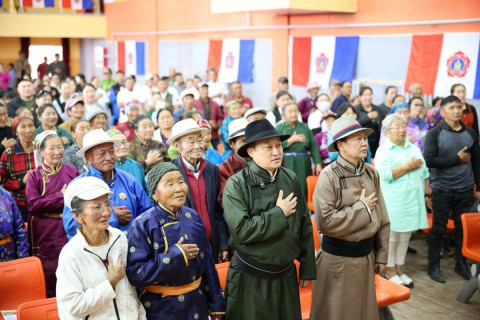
x: 387, y: 122
x: 288, y: 103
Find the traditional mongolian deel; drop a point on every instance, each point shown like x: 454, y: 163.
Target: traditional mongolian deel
x: 354, y: 239
x: 186, y: 289
x: 13, y: 238
x: 262, y: 235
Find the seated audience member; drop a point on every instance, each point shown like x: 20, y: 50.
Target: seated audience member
x: 79, y: 130
x: 44, y: 97
x: 91, y: 281
x: 237, y: 94
x: 405, y: 198
x: 437, y: 101
x: 25, y: 112
x: 25, y: 97
x: 322, y: 107
x: 211, y: 110
x: 165, y: 123
x: 101, y: 96
x: 417, y: 110
x: 48, y: 118
x: 297, y: 147
x: 98, y: 118
x: 275, y: 116
x: 308, y: 104
x: 386, y: 107
x: 345, y: 93
x: 234, y: 163
x: 453, y: 156
x: 253, y: 114
x: 123, y: 162
x: 132, y: 110
x: 46, y: 185
x: 66, y: 94
x: 202, y: 178
x: 398, y: 99
x: 210, y: 154
x: 170, y: 259
x: 129, y: 93
x: 128, y: 199
x: 234, y: 111
x: 469, y: 116
x: 17, y: 162
x: 188, y: 104
x: 6, y: 134
x: 143, y: 148
x: 414, y: 134
x: 75, y: 110
x: 322, y: 137
x: 13, y: 237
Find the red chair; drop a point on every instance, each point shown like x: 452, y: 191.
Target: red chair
x: 45, y: 309
x: 389, y: 292
x: 21, y: 280
x: 311, y: 183
x: 471, y: 250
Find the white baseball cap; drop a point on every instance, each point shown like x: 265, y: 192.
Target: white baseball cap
x: 86, y: 188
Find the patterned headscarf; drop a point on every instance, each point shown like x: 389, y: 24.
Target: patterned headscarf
x: 112, y: 132
x: 16, y: 122
x: 433, y: 117
x: 400, y: 105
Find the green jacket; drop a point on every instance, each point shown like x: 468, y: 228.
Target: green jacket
x: 259, y: 228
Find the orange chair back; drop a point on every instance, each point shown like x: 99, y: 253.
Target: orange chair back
x: 389, y: 292
x: 21, y: 280
x: 471, y: 236
x: 45, y: 309
x: 311, y: 183
x: 220, y: 148
x: 222, y: 269
x: 316, y: 235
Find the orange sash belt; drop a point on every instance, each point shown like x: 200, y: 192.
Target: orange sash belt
x: 5, y: 240
x: 174, y: 291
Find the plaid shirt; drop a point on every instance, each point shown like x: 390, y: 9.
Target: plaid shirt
x: 14, y: 165
x: 138, y: 152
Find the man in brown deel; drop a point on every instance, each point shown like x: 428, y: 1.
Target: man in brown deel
x: 351, y: 215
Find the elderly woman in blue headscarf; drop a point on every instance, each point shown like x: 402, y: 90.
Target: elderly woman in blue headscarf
x: 169, y: 257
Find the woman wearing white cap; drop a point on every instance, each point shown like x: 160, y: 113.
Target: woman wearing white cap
x: 91, y: 268
x: 46, y: 184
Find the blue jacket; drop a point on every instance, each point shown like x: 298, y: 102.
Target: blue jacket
x: 211, y: 176
x: 127, y: 192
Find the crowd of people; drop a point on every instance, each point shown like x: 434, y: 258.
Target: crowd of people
x: 131, y: 193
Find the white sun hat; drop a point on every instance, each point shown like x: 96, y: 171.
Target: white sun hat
x: 184, y: 127
x: 95, y: 138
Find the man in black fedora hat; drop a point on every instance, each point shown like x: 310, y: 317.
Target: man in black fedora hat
x: 269, y: 227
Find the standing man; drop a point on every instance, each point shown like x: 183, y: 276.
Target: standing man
x: 58, y: 67
x: 351, y: 214
x: 345, y: 92
x: 269, y: 227
x: 386, y: 107
x: 169, y: 94
x: 42, y: 68
x: 453, y: 156
x: 237, y: 94
x: 22, y: 67
x: 212, y: 112
x: 25, y: 97
x: 217, y: 90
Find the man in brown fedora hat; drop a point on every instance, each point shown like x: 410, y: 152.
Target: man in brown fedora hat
x: 351, y: 214
x: 270, y: 227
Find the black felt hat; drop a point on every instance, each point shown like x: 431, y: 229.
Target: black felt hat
x: 259, y: 130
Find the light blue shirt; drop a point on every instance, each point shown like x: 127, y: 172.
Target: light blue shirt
x: 404, y: 196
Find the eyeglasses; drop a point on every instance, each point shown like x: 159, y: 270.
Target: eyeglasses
x: 98, y: 208
x: 125, y: 143
x: 43, y: 93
